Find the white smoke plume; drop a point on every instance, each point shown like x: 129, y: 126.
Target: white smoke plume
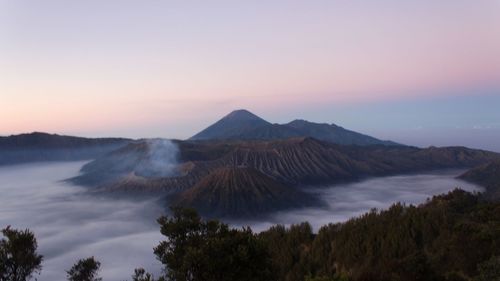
x: 163, y: 158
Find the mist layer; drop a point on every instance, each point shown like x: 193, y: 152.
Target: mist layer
x: 120, y: 233
x: 70, y: 225
x: 350, y: 200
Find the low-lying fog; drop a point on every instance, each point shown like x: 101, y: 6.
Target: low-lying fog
x: 122, y: 233
x: 70, y: 225
x: 349, y: 200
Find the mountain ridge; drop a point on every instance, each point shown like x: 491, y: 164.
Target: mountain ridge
x: 295, y: 161
x: 212, y: 175
x: 39, y: 146
x: 244, y: 125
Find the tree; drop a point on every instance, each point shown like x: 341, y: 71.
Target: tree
x: 140, y: 274
x: 19, y: 259
x: 290, y: 250
x: 489, y: 270
x: 196, y: 250
x: 85, y: 270
x: 324, y: 278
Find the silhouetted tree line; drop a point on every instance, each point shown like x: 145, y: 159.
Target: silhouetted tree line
x: 453, y: 237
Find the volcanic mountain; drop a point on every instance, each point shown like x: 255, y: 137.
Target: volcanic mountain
x: 38, y: 146
x: 244, y: 125
x: 292, y: 162
x: 241, y: 192
x: 488, y: 176
x: 150, y: 158
x: 243, y: 165
x: 250, y: 178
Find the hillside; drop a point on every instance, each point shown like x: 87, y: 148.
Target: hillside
x: 488, y: 176
x: 454, y: 236
x: 37, y: 146
x: 298, y: 161
x: 240, y: 192
x: 244, y: 125
x: 335, y: 134
x: 211, y: 171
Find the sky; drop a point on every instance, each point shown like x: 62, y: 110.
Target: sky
x: 418, y: 72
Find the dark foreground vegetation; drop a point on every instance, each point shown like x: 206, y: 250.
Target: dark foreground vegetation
x: 452, y: 237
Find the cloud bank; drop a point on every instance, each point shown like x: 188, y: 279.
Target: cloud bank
x: 121, y: 233
x: 349, y: 200
x: 70, y: 225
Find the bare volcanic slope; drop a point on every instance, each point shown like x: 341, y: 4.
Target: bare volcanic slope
x: 151, y: 158
x: 37, y: 146
x: 244, y: 125
x: 298, y: 161
x: 241, y: 192
x: 211, y: 175
x: 488, y: 176
x: 292, y: 162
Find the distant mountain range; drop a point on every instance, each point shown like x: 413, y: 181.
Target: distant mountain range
x: 244, y: 125
x: 243, y: 165
x: 38, y: 146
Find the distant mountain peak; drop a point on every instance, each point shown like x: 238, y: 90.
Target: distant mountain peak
x: 232, y: 126
x: 242, y: 114
x: 243, y: 125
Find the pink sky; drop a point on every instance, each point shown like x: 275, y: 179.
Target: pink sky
x: 154, y: 68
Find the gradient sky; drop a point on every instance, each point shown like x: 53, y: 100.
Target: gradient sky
x: 420, y: 72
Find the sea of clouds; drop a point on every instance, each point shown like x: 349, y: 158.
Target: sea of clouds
x: 121, y: 233
x: 350, y: 200
x: 70, y: 225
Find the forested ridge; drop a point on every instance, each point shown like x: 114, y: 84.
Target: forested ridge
x: 455, y: 236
